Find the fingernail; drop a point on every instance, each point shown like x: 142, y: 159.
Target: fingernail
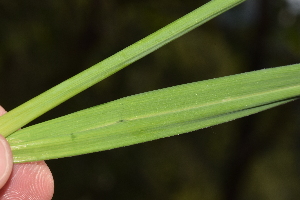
x: 6, y: 161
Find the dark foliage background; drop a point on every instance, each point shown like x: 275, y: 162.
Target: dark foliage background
x: 43, y: 43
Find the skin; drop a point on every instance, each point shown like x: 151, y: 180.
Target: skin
x: 25, y: 180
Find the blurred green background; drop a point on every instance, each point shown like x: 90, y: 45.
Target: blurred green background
x: 45, y: 42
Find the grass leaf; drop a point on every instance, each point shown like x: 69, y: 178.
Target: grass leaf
x: 157, y: 114
x: 37, y: 106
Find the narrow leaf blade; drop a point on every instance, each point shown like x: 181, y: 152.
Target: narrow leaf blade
x: 157, y: 114
x: 37, y: 106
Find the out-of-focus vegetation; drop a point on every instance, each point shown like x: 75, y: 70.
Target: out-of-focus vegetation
x: 45, y: 42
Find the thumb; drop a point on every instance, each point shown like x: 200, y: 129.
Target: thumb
x: 6, y: 161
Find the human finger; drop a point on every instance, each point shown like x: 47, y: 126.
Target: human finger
x: 6, y: 161
x: 31, y: 180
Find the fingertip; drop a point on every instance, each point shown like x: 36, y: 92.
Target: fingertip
x: 6, y: 161
x: 31, y: 180
x: 2, y: 110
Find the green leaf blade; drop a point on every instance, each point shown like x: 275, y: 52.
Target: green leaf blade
x: 37, y: 106
x: 157, y: 114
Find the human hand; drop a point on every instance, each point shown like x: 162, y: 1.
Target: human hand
x: 25, y: 180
